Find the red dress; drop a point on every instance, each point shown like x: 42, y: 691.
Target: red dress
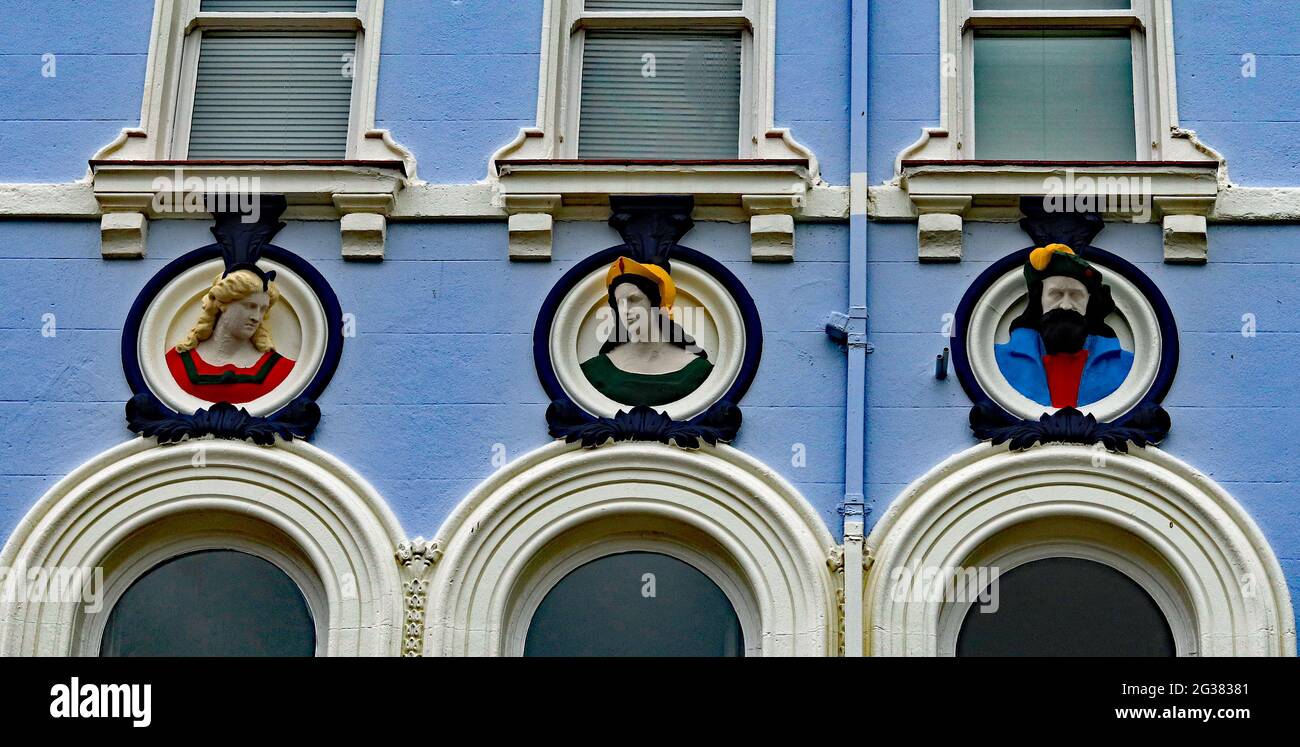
x: 228, y: 383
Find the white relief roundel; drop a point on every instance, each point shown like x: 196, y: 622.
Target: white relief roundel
x: 703, y: 307
x: 297, y: 321
x: 1134, y: 321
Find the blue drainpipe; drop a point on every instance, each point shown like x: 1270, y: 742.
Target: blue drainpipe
x: 853, y: 329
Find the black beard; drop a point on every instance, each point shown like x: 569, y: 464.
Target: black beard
x: 1063, y: 331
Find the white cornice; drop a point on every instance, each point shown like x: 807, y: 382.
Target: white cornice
x: 433, y: 202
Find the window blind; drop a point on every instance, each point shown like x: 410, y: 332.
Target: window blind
x: 272, y: 94
x: 651, y: 6
x: 1055, y: 95
x: 1052, y: 4
x: 278, y: 6
x: 670, y: 95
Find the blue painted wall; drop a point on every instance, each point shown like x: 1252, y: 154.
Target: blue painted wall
x: 440, y: 369
x: 1250, y: 118
x: 50, y: 126
x: 1231, y: 403
x: 458, y: 79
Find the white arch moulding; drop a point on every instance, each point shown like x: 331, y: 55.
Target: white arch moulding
x: 1163, y: 523
x: 139, y: 503
x: 557, y: 507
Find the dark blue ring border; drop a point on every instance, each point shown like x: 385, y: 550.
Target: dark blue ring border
x: 1164, y: 378
x: 330, y: 302
x: 748, y: 312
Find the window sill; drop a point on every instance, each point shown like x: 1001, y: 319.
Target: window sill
x: 359, y: 193
x: 942, y: 193
x: 719, y: 181
x: 767, y: 193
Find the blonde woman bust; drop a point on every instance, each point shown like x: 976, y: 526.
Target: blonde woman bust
x: 229, y: 356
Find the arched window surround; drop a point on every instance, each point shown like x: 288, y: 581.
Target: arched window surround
x: 1169, y: 527
x: 519, y: 532
x: 138, y: 504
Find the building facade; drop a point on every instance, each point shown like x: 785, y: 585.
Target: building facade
x: 811, y: 327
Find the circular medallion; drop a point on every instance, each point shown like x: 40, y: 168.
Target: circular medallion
x: 199, y: 335
x: 678, y: 343
x: 1047, y: 328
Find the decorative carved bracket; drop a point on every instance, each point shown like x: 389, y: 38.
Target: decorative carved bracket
x: 566, y: 420
x: 1148, y: 424
x: 149, y: 417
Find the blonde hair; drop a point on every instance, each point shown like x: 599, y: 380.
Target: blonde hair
x: 236, y: 286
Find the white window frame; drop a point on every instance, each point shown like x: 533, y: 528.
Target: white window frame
x: 193, y: 23
x: 520, y: 531
x: 1158, y: 136
x: 944, y: 181
x: 138, y: 504
x: 360, y: 187
x: 538, y: 178
x: 1136, y: 20
x: 168, y: 101
x: 564, y: 25
x: 577, y: 20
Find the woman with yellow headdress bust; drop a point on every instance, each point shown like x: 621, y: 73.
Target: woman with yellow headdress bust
x: 647, y: 359
x: 228, y: 355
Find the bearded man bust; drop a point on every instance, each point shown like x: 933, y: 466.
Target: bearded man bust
x: 1061, y: 352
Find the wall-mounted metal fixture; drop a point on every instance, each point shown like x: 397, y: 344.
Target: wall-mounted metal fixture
x: 849, y: 329
x: 941, y: 365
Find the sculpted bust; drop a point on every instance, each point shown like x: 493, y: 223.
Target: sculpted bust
x: 647, y: 358
x: 1061, y: 352
x: 229, y: 355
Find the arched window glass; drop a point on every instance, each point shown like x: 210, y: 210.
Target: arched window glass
x: 635, y: 604
x: 211, y: 603
x: 1065, y: 607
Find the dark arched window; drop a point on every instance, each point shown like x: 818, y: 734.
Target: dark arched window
x: 211, y: 603
x: 635, y: 604
x: 1066, y: 607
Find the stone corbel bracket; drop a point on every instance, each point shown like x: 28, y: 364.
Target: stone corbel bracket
x: 363, y: 224
x: 1185, y: 229
x: 939, y: 226
x: 415, y: 557
x: 531, y: 223
x: 771, y: 226
x: 124, y: 224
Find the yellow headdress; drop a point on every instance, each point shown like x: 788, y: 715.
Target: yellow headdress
x: 654, y: 273
x: 1059, y: 259
x: 1042, y: 256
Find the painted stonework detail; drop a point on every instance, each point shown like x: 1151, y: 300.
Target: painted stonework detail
x: 1061, y: 352
x: 229, y: 355
x: 647, y: 359
x: 416, y: 557
x: 647, y: 340
x: 1065, y: 342
x: 234, y: 340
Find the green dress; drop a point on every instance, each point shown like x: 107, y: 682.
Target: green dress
x: 645, y: 389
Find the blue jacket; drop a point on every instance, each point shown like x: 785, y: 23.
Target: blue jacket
x: 1021, y: 361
